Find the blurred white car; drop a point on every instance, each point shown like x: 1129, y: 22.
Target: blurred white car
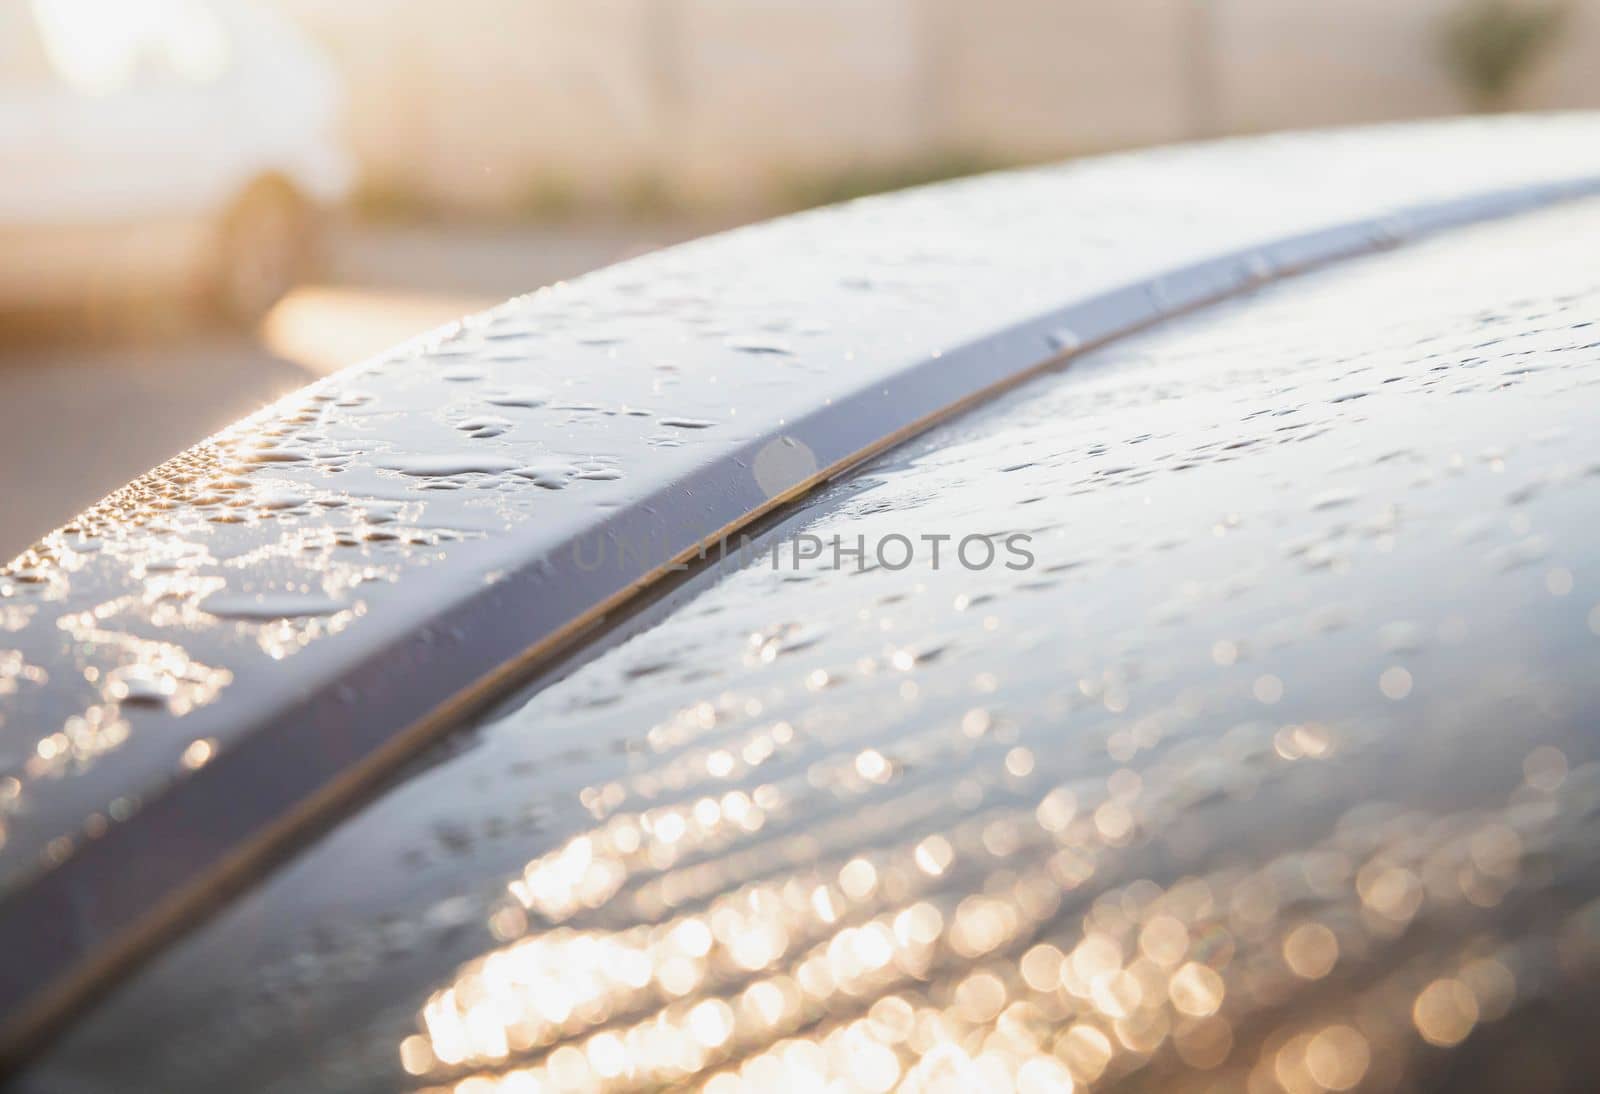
x: 161, y: 145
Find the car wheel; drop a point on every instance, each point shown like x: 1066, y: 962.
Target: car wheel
x: 265, y: 248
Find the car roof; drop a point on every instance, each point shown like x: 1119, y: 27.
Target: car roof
x: 216, y: 659
x: 1276, y: 759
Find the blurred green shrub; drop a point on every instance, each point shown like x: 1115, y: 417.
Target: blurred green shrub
x: 803, y: 191
x: 548, y: 197
x: 1490, y: 46
x: 648, y: 196
x: 390, y: 201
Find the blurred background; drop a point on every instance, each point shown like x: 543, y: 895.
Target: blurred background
x: 205, y: 204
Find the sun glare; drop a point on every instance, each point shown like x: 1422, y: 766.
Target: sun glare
x: 103, y: 46
x: 325, y: 328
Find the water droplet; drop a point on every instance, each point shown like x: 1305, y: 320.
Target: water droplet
x: 485, y: 426
x: 1333, y: 499
x: 758, y: 344
x: 552, y: 476
x: 278, y: 499
x: 141, y: 685
x: 447, y: 464
x: 1064, y: 340
x: 273, y: 455
x: 520, y: 397
x: 263, y: 607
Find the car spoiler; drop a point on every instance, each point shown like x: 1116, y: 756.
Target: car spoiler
x: 214, y: 660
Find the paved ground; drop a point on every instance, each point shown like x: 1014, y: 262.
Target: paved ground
x: 83, y: 412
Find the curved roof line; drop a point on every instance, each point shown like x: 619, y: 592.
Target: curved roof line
x: 238, y: 644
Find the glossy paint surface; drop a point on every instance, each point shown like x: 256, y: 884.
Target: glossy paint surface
x: 235, y: 642
x: 1277, y: 770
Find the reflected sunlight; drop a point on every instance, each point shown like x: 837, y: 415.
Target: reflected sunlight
x: 325, y: 328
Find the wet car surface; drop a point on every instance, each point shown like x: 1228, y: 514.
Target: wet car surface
x: 1275, y: 769
x: 213, y: 662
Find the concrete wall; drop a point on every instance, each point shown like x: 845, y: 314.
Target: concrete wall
x: 497, y: 102
x: 1038, y: 78
x: 766, y: 86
